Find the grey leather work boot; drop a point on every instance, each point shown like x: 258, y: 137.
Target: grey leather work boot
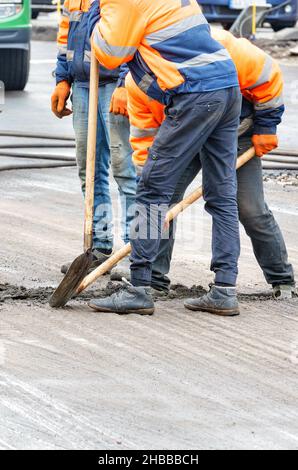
x: 219, y: 301
x: 284, y: 292
x: 130, y: 299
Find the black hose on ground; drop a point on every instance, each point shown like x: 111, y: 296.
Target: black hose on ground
x: 283, y: 160
x: 279, y: 166
x: 33, y: 135
x: 38, y: 146
x: 267, y: 165
x: 29, y: 166
x: 45, y: 156
x: 290, y: 153
x: 288, y: 160
x: 68, y: 142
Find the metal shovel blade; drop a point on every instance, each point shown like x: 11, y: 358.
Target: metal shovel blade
x: 71, y: 281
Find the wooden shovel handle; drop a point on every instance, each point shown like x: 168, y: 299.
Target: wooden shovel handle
x: 125, y: 251
x: 91, y: 152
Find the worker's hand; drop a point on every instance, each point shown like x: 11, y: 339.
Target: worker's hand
x: 119, y: 102
x: 264, y: 143
x: 59, y: 100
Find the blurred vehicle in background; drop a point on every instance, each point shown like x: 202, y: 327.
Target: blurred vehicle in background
x: 43, y: 6
x: 15, y: 34
x: 226, y: 12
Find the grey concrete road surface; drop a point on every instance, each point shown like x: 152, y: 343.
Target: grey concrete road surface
x: 74, y: 379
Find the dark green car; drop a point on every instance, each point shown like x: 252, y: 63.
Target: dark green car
x: 15, y: 33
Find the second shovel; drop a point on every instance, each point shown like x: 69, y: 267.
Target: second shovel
x: 81, y: 265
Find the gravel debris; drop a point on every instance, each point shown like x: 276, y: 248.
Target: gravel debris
x: 284, y: 178
x: 278, y: 49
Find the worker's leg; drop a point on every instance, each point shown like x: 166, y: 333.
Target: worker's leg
x: 103, y: 207
x: 123, y: 170
x: 260, y: 225
x: 161, y: 266
x: 218, y: 159
x: 102, y: 226
x: 191, y: 121
x: 79, y: 99
x: 209, y: 119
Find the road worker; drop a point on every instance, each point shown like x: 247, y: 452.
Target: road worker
x: 72, y: 77
x: 172, y: 57
x: 261, y: 84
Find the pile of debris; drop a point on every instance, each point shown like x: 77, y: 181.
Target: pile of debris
x: 284, y: 45
x: 289, y: 178
x: 279, y: 49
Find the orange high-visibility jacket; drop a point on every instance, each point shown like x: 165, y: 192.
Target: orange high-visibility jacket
x: 73, y: 60
x: 166, y: 44
x: 261, y: 84
x: 72, y: 13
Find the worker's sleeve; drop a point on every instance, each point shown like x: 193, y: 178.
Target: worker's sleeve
x: 267, y: 94
x: 143, y: 125
x: 62, y: 72
x: 260, y: 80
x: 93, y: 18
x: 119, y: 32
x: 122, y: 75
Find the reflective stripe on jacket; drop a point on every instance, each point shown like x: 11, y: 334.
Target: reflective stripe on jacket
x: 73, y: 61
x: 260, y: 81
x: 167, y: 45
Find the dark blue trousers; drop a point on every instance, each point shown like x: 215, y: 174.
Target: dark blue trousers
x: 260, y: 225
x: 198, y: 127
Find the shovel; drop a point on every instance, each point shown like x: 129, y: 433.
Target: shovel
x: 81, y: 265
x: 172, y: 214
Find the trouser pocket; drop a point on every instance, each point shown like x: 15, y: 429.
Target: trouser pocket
x: 150, y: 164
